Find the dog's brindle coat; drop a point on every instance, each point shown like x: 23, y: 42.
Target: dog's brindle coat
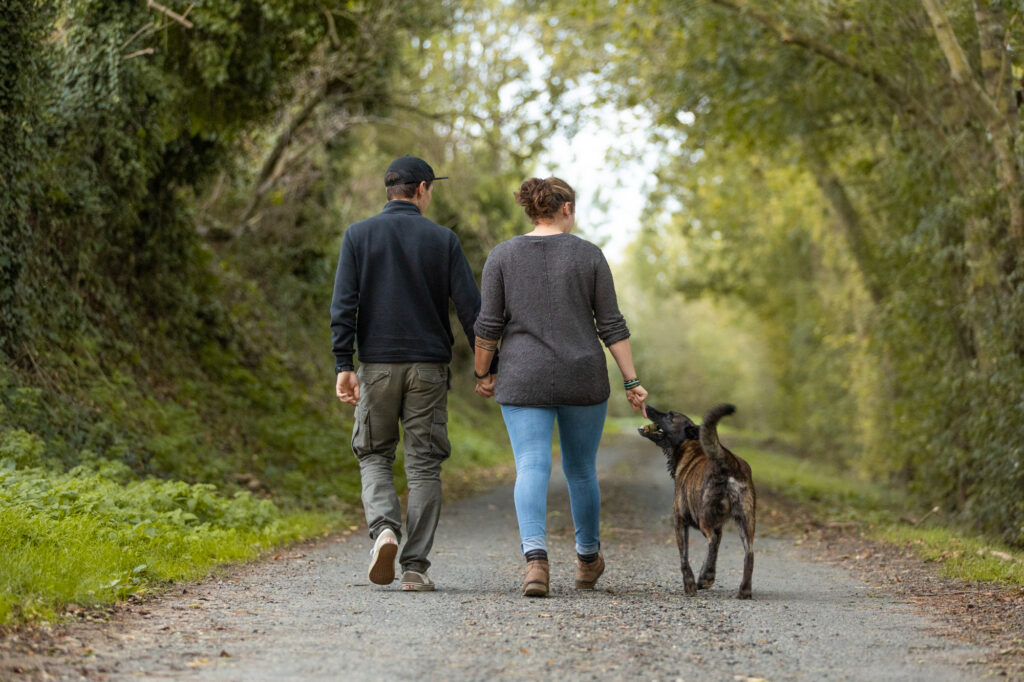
x: 712, y: 485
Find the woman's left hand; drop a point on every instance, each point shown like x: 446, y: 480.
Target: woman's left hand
x: 636, y: 397
x: 485, y: 387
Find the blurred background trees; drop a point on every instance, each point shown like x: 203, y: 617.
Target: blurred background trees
x: 850, y: 173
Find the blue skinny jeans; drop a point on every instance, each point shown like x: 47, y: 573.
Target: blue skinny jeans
x: 579, y: 432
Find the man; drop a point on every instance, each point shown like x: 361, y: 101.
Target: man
x: 396, y: 273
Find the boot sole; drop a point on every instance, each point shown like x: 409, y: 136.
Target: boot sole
x: 585, y: 586
x: 535, y: 590
x: 382, y: 569
x: 417, y: 587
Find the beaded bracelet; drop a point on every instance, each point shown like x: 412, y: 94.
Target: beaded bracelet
x: 631, y: 383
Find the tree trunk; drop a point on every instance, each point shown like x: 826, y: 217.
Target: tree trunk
x: 847, y: 218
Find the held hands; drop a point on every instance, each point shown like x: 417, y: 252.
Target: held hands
x: 636, y: 397
x: 485, y: 386
x: 348, y: 388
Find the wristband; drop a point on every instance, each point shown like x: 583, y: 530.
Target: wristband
x: 480, y: 376
x: 630, y: 384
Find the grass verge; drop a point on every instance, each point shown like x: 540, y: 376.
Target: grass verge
x: 90, y: 536
x: 883, y: 514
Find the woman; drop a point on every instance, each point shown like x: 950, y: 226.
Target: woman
x: 548, y: 296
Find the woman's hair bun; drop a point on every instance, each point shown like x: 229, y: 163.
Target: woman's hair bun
x: 543, y: 198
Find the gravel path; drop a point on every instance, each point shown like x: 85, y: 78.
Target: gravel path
x: 312, y: 615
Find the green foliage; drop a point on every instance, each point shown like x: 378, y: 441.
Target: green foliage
x: 880, y: 511
x: 745, y: 233
x: 22, y: 26
x: 115, y: 123
x: 694, y: 354
x: 824, y: 169
x: 823, y: 484
x: 94, y: 534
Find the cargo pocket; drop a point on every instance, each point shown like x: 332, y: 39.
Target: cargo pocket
x: 362, y: 436
x: 432, y: 375
x: 440, y: 447
x: 369, y: 377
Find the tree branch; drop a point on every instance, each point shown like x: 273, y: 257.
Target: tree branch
x: 272, y: 168
x: 992, y: 39
x: 788, y: 35
x: 150, y: 4
x: 139, y: 53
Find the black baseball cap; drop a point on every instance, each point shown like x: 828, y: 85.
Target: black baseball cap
x: 411, y: 171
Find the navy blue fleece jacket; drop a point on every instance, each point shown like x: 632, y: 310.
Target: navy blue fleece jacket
x: 396, y: 273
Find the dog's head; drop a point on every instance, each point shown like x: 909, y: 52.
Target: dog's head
x: 668, y: 429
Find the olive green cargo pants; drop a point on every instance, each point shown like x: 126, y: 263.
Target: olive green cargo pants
x: 415, y: 394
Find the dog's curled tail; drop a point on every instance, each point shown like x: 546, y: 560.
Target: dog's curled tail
x: 709, y: 431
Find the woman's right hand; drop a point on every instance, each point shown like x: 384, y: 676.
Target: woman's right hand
x: 637, y: 396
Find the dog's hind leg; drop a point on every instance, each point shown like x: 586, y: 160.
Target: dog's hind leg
x: 747, y: 536
x: 707, y: 571
x: 683, y: 540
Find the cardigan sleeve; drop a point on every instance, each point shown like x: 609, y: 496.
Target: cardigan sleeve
x: 490, y: 323
x: 611, y: 325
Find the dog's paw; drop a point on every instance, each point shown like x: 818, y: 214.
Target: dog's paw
x: 745, y: 594
x: 704, y: 583
x: 690, y: 588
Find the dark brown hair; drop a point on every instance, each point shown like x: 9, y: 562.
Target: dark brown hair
x: 544, y: 198
x: 406, y: 191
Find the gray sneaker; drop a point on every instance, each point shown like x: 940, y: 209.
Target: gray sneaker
x: 414, y: 581
x: 382, y: 558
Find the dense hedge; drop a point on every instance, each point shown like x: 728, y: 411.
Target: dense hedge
x: 122, y: 331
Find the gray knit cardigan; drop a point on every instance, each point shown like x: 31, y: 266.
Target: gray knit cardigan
x: 551, y: 301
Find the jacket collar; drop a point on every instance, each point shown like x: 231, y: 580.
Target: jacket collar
x: 397, y: 206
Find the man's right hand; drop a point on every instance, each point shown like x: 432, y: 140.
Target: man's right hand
x: 485, y: 387
x: 348, y: 387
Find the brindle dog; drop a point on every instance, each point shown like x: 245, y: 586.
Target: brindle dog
x: 712, y: 485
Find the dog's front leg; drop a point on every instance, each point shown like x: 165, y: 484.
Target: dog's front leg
x: 707, y: 571
x: 683, y: 540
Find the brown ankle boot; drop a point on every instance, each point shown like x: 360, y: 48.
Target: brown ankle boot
x: 588, y: 573
x: 537, y: 576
